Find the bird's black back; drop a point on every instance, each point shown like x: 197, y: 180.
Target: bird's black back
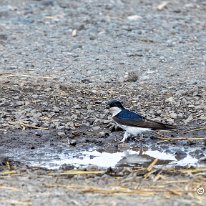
x: 128, y: 118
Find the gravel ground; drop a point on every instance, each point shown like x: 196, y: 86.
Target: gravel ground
x: 61, y: 60
x: 102, y: 40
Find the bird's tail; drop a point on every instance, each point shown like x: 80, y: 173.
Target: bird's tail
x: 160, y: 126
x: 168, y: 126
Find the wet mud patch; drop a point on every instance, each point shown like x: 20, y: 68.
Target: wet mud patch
x: 45, y: 149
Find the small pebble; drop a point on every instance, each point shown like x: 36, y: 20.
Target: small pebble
x: 61, y: 133
x: 73, y: 142
x: 131, y: 77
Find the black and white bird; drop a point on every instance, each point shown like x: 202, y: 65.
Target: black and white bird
x: 134, y: 124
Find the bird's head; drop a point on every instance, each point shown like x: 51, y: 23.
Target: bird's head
x: 114, y: 107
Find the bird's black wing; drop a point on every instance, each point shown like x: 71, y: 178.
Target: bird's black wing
x: 135, y: 120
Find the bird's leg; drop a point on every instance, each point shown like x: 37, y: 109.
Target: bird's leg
x: 141, y: 147
x: 126, y: 135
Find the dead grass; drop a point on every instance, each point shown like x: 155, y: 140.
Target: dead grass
x: 12, y: 172
x: 182, y: 184
x: 78, y: 172
x: 15, y: 202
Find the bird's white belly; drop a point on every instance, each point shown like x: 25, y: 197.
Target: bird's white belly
x: 134, y: 130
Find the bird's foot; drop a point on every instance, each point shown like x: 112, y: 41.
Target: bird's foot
x: 126, y: 135
x: 123, y: 140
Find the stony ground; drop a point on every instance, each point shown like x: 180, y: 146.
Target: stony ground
x: 102, y: 40
x: 62, y: 60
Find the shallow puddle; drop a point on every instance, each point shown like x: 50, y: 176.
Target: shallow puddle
x: 50, y: 153
x: 56, y: 158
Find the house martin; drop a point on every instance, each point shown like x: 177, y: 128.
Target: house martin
x: 133, y: 123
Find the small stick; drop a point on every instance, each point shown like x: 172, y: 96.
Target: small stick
x: 150, y: 167
x: 196, y: 129
x: 78, y: 172
x: 182, y: 138
x: 32, y: 126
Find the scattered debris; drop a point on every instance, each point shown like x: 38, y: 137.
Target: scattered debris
x: 74, y: 33
x: 162, y: 5
x: 134, y: 17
